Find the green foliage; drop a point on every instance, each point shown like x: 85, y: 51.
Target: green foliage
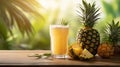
x: 40, y: 41
x: 39, y: 27
x: 4, y: 44
x: 3, y: 29
x: 111, y: 9
x: 41, y: 56
x: 16, y: 11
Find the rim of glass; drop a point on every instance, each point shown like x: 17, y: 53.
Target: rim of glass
x: 58, y: 25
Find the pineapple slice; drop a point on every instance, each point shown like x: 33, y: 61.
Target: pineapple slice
x: 74, y: 50
x: 86, y: 55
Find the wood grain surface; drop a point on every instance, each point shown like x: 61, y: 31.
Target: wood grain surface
x: 21, y: 58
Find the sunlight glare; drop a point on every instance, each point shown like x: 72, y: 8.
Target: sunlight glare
x: 48, y: 4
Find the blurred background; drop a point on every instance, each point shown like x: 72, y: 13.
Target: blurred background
x: 51, y: 11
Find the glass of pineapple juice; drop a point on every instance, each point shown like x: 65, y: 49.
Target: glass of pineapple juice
x: 59, y: 40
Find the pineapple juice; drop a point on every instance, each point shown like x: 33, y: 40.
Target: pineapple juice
x: 59, y: 39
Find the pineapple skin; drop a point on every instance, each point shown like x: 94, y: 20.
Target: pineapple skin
x: 106, y: 50
x: 72, y: 54
x: 90, y: 39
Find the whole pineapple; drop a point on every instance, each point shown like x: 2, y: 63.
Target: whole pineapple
x: 112, y: 36
x: 88, y: 36
x: 105, y: 50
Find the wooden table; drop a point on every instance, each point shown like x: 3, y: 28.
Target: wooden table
x: 20, y: 58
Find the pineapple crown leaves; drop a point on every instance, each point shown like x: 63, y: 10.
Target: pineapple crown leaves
x: 89, y: 13
x: 113, y: 32
x: 64, y: 22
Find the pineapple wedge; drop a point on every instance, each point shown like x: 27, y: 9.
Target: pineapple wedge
x: 86, y: 55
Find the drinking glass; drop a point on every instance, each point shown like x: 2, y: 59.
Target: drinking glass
x: 59, y: 40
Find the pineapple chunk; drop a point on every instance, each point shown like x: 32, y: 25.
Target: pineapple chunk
x: 77, y: 51
x: 86, y: 55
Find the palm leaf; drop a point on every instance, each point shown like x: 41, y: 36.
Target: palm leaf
x: 16, y: 12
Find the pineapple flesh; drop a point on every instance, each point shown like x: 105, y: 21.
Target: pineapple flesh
x: 88, y: 36
x: 74, y: 51
x: 86, y: 55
